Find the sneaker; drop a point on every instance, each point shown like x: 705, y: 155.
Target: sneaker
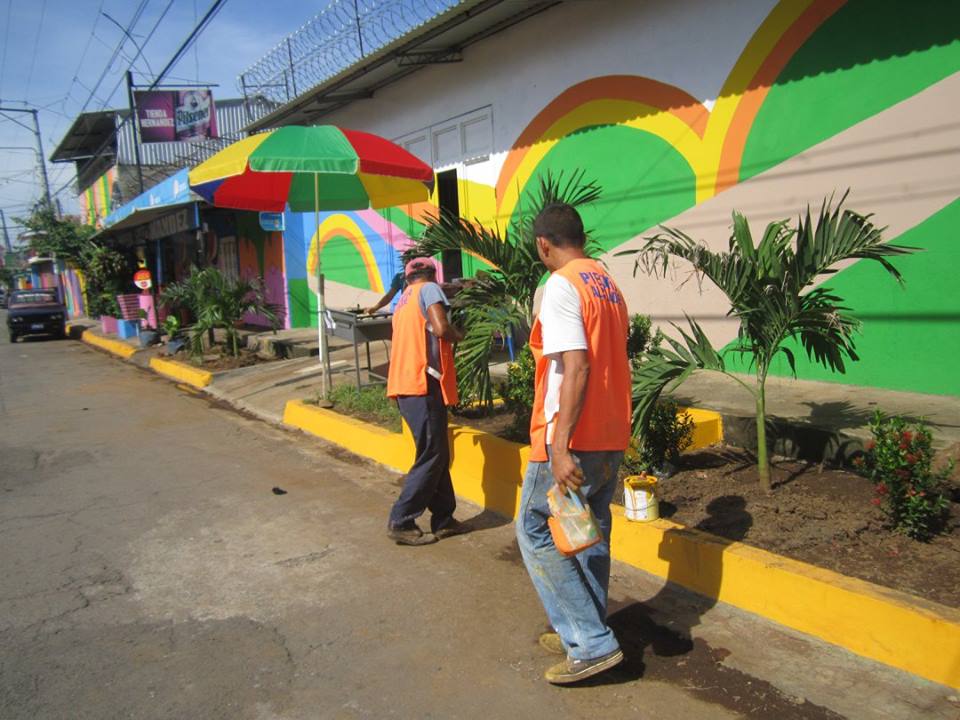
x: 410, y: 536
x: 551, y: 642
x: 454, y: 527
x: 571, y: 671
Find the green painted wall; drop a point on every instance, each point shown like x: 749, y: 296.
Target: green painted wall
x: 910, y: 339
x: 643, y: 179
x: 410, y: 227
x: 303, y: 304
x: 343, y: 263
x: 868, y: 56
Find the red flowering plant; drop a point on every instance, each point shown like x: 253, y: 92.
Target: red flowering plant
x: 899, y: 461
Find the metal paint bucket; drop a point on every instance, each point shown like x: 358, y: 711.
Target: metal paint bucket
x: 640, y: 498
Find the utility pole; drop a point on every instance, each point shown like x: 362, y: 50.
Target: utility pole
x: 42, y: 159
x: 136, y: 129
x: 6, y: 235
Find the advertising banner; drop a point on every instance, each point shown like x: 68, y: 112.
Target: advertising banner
x: 177, y: 115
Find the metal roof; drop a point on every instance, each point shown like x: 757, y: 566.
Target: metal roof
x: 441, y: 40
x: 88, y: 133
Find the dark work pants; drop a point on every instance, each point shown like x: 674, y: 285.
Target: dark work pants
x: 428, y: 485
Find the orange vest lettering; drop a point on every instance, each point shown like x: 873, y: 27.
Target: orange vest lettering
x: 408, y: 352
x: 605, y: 420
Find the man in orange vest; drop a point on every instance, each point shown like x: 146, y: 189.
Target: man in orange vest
x: 423, y: 380
x: 580, y: 427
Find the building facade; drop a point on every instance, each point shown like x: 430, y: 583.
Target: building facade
x: 683, y: 112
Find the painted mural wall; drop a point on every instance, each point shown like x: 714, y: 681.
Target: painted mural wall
x: 683, y: 111
x: 96, y: 202
x: 237, y: 245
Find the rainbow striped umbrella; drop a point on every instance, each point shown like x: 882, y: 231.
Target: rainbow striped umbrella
x: 321, y: 167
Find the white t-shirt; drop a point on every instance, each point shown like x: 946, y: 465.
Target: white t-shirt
x: 561, y: 321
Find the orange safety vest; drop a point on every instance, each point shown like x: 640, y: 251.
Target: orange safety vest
x: 408, y: 352
x: 605, y: 420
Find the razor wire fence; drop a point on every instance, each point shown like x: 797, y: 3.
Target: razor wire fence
x: 340, y: 35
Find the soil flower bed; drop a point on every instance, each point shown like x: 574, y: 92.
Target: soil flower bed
x: 215, y: 361
x: 820, y: 515
x: 823, y: 516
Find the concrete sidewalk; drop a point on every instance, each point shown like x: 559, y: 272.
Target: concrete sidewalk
x: 816, y: 420
x: 809, y: 419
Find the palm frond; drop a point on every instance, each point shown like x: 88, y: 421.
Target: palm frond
x: 665, y: 367
x: 840, y: 234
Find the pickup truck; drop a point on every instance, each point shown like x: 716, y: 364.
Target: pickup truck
x: 35, y: 312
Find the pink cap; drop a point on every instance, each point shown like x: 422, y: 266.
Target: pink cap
x: 419, y: 263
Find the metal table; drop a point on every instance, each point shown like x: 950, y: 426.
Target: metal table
x: 358, y: 328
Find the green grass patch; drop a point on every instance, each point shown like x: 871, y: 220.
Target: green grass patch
x: 370, y: 404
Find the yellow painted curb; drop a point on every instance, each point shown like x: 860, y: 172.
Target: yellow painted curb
x: 485, y: 469
x: 114, y: 347
x: 395, y: 450
x: 891, y: 627
x: 707, y: 427
x: 182, y: 372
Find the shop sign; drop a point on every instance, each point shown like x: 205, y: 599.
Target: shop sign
x: 271, y: 221
x: 171, y: 224
x: 142, y: 279
x: 178, y: 115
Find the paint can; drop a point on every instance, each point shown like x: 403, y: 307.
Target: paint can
x: 640, y: 498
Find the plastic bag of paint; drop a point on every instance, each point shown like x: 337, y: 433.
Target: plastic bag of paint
x: 571, y: 522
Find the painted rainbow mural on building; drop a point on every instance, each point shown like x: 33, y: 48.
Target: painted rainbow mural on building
x: 811, y: 70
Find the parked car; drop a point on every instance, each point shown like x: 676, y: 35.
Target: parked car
x: 35, y: 312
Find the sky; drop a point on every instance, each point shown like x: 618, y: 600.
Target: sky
x: 53, y: 52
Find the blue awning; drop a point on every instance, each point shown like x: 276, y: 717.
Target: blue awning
x: 170, y: 194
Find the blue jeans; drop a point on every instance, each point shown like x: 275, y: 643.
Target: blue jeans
x: 573, y: 590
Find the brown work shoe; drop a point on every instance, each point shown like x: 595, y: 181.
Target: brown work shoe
x: 571, y: 671
x: 551, y: 642
x: 410, y: 536
x: 454, y: 527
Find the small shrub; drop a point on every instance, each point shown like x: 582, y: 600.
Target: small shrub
x: 368, y: 403
x: 518, y: 392
x: 638, y: 337
x: 899, y: 462
x: 669, y: 434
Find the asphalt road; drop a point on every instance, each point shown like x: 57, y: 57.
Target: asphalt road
x: 149, y: 571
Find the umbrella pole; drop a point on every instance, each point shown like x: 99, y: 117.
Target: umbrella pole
x: 321, y: 304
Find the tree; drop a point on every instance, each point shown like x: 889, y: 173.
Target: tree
x: 72, y: 242
x: 771, y: 291
x: 217, y: 302
x: 499, y: 300
x: 64, y: 239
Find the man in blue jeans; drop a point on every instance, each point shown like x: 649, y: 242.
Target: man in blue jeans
x: 580, y: 426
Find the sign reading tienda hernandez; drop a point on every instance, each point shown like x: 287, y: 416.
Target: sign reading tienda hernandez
x: 176, y: 115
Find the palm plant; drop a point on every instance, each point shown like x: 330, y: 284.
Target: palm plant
x: 771, y: 293
x: 499, y: 300
x: 218, y: 302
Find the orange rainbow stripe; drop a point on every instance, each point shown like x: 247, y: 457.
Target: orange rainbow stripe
x: 711, y: 141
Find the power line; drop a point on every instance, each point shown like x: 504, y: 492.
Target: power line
x: 140, y: 49
x: 36, y: 48
x: 183, y: 49
x: 135, y: 43
x: 6, y: 44
x: 104, y: 102
x: 113, y: 56
x: 86, y: 48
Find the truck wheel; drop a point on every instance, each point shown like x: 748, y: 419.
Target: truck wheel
x: 13, y: 337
